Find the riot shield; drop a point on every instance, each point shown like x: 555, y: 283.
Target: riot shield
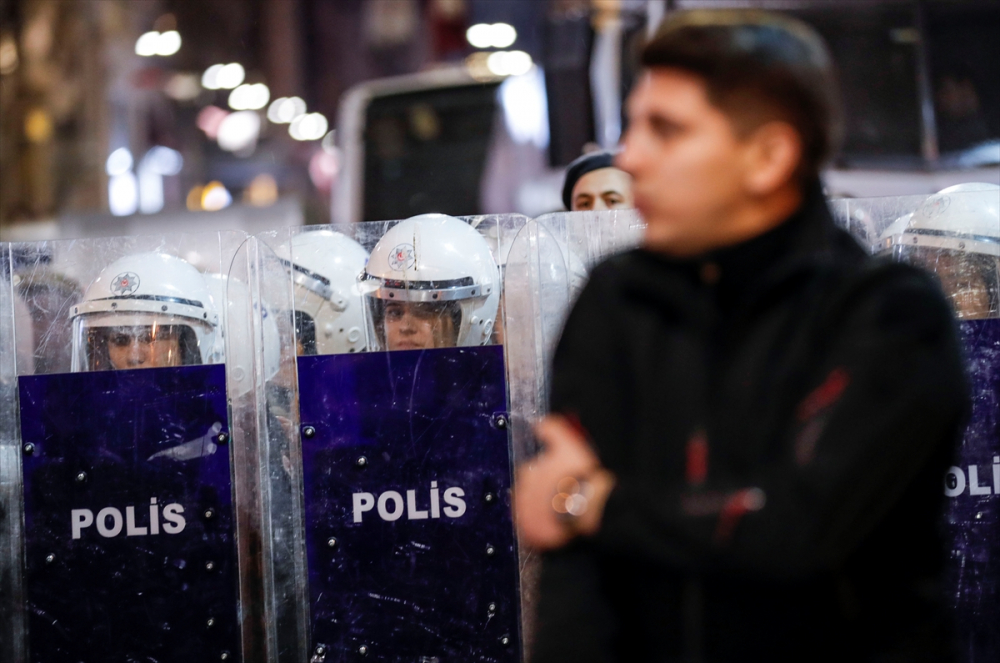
x: 124, y: 503
x: 545, y: 269
x: 401, y: 453
x: 955, y: 234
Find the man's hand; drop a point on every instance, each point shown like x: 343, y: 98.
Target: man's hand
x: 566, y: 454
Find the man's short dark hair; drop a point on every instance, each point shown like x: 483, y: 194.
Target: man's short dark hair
x: 757, y: 67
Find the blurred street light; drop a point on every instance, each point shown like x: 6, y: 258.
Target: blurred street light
x: 123, y: 194
x: 8, y: 55
x: 163, y: 44
x: 262, y: 191
x: 496, y: 35
x: 170, y: 43
x: 509, y: 63
x: 38, y: 125
x: 123, y: 189
x: 223, y: 76
x: 239, y: 131
x: 119, y: 162
x: 231, y: 75
x: 311, y: 126
x: 285, y: 109
x: 215, y: 197
x: 164, y: 161
x: 249, y: 97
x: 158, y: 162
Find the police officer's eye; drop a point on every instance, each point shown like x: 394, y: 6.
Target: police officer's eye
x: 121, y: 340
x: 394, y: 313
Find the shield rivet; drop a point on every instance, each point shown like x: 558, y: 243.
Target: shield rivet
x: 491, y: 608
x: 209, y: 565
x: 209, y: 514
x: 224, y: 656
x: 489, y: 498
x: 210, y: 622
x: 223, y: 438
x: 505, y: 640
x: 361, y: 461
x: 50, y: 558
x: 81, y: 477
x: 331, y: 542
x: 29, y: 448
x: 363, y: 650
x: 308, y: 432
x: 490, y: 550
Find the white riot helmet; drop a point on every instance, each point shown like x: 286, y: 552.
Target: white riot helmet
x: 436, y: 265
x: 955, y: 233
x: 155, y: 300
x: 324, y: 267
x: 231, y: 298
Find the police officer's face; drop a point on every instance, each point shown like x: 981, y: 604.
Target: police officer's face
x: 692, y: 173
x: 144, y: 347
x: 962, y: 279
x: 415, y: 326
x: 602, y: 189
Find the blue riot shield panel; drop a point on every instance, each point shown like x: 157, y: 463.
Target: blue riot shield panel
x: 955, y: 234
x: 397, y: 436
x: 128, y: 515
x: 973, y: 489
x: 408, y: 524
x: 130, y: 521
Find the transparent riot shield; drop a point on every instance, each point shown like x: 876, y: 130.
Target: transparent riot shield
x: 129, y: 519
x: 396, y: 432
x: 955, y: 234
x: 545, y: 268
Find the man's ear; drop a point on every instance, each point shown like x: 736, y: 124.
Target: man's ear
x: 774, y: 154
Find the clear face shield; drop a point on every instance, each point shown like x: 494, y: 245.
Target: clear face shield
x: 119, y: 341
x: 971, y: 280
x: 416, y: 315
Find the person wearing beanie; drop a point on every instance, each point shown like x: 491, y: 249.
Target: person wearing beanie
x: 593, y: 183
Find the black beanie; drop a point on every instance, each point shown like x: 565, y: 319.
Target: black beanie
x: 582, y: 166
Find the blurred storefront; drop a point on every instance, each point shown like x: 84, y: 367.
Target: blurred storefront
x: 159, y: 107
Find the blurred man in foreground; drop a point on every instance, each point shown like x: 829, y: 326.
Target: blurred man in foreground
x: 754, y: 417
x: 594, y: 183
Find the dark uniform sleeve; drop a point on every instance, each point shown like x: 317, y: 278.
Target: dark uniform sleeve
x: 881, y: 414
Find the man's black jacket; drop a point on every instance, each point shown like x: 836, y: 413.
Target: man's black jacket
x: 779, y: 416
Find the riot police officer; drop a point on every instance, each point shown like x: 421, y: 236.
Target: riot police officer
x: 431, y: 282
x: 149, y: 310
x: 324, y: 267
x: 956, y: 234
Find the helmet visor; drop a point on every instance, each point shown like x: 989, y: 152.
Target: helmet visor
x: 121, y: 341
x: 970, y: 280
x: 404, y: 325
